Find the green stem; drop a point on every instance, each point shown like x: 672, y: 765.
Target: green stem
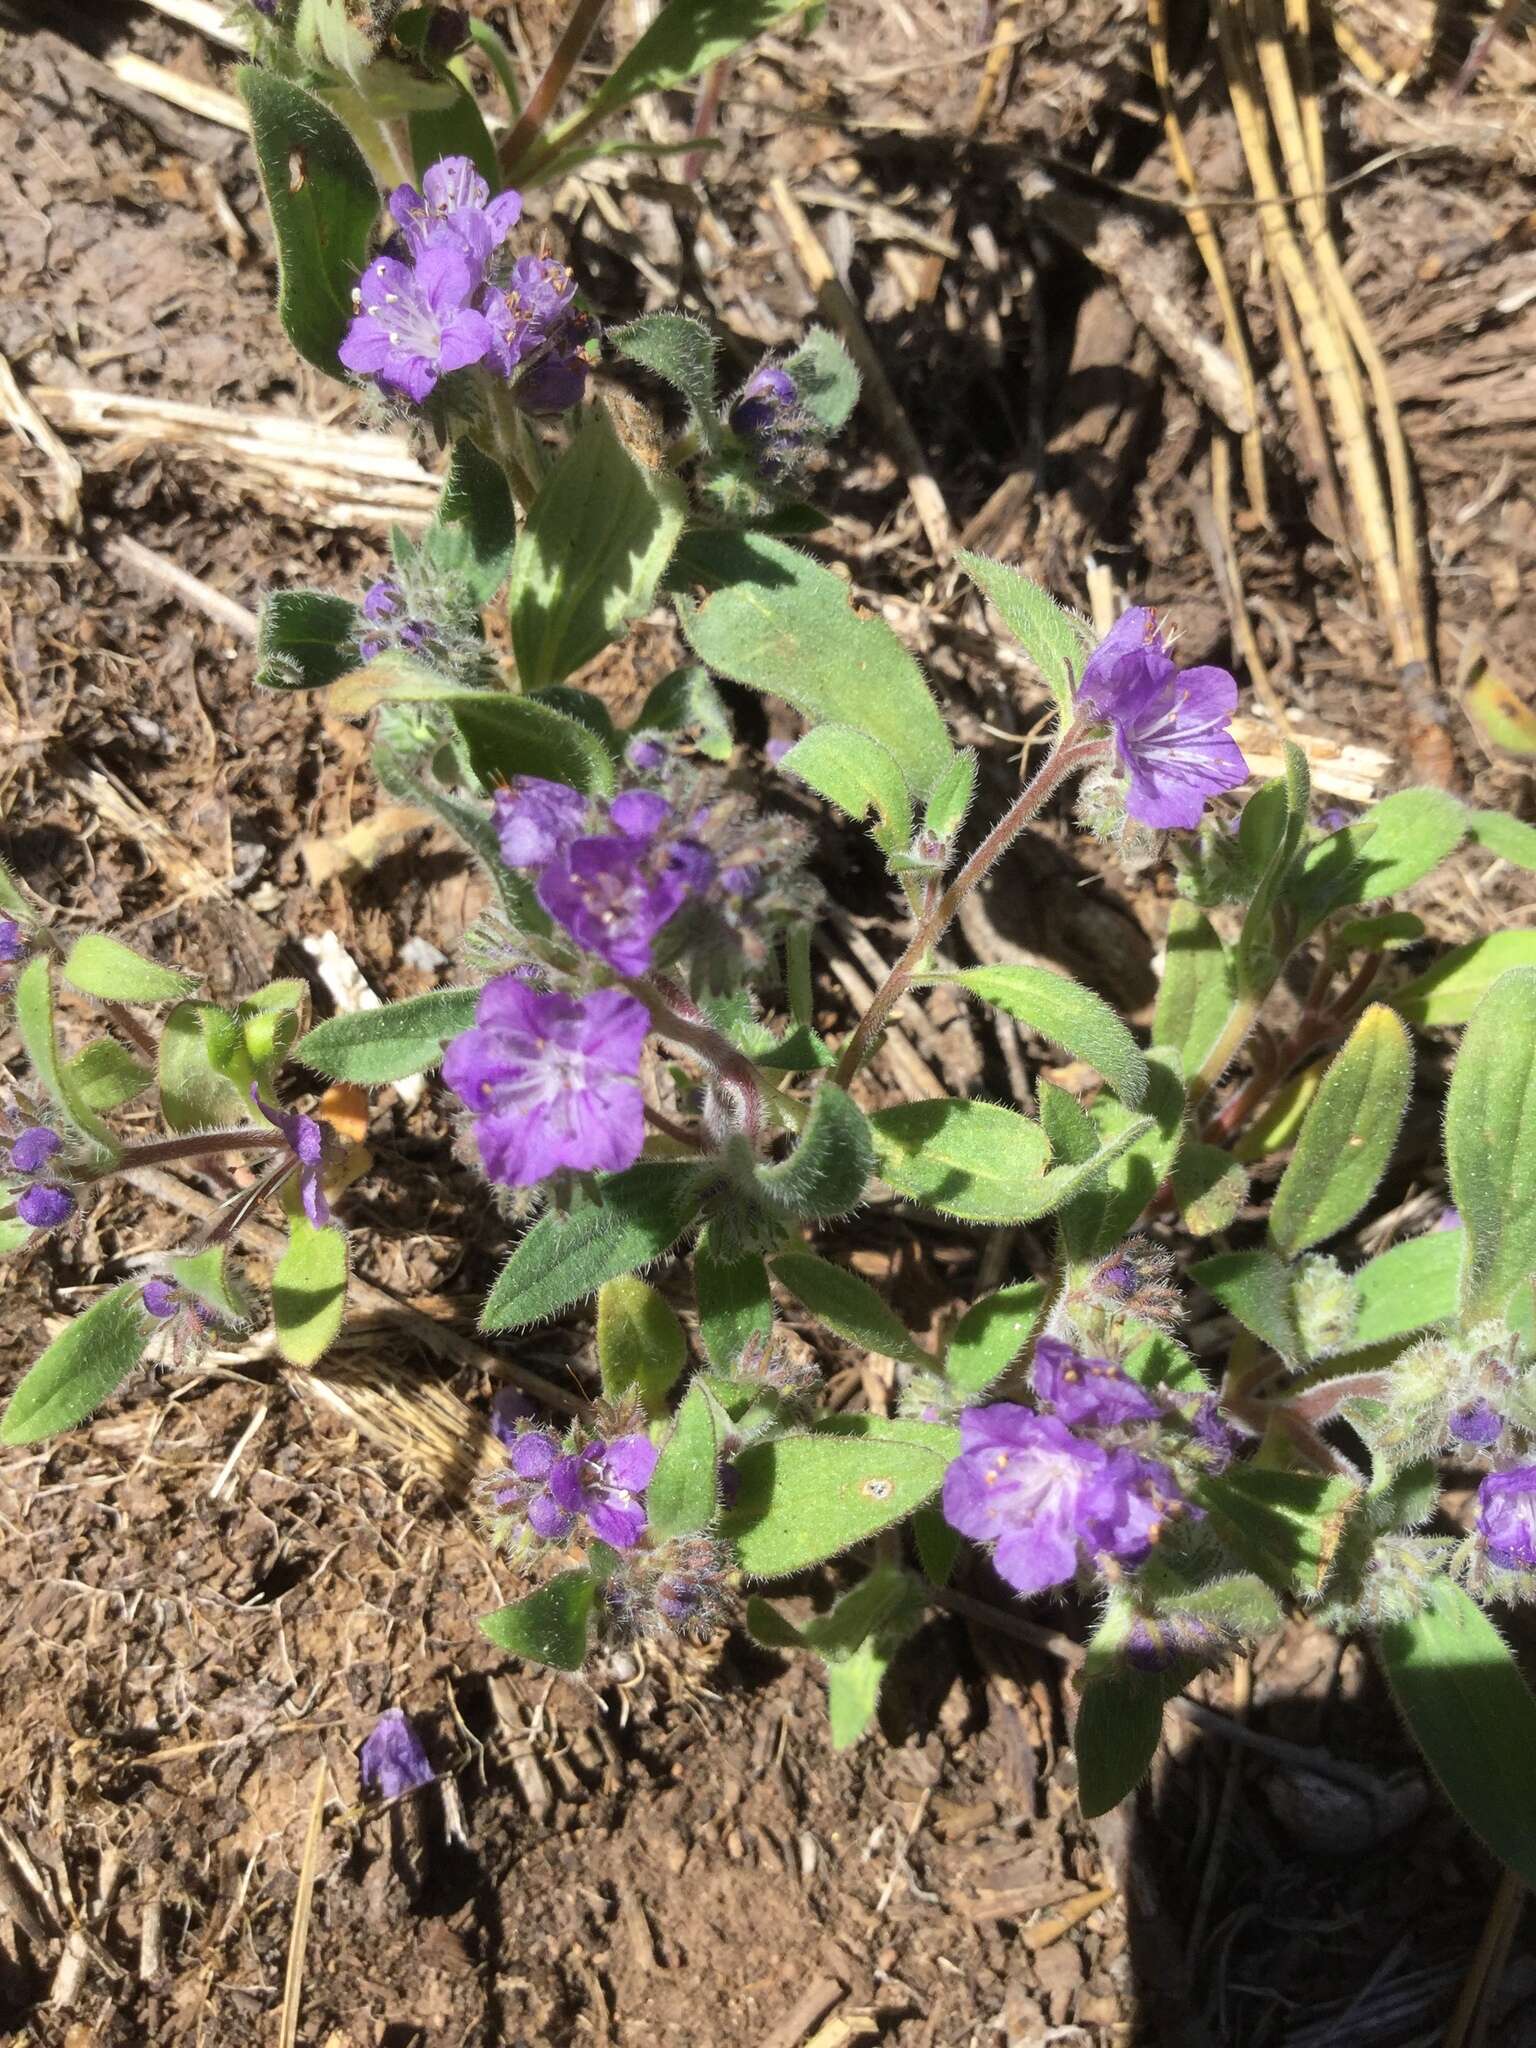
x: 507, y: 445
x: 1070, y: 754
x: 575, y: 36
x: 1241, y: 1019
x: 499, y: 57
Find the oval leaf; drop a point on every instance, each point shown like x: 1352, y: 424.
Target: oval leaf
x: 1347, y: 1137
x: 1055, y: 641
x: 991, y: 1335
x: 1490, y: 1145
x: 849, y: 1305
x: 373, y: 1046
x: 640, y: 1342
x: 1069, y: 1015
x: 857, y: 774
x: 82, y: 1365
x: 966, y: 1159
x: 550, y: 1626
x: 1119, y: 1725
x: 309, y: 1291
x: 631, y: 1218
x: 1451, y: 990
x: 684, y: 1492
x: 804, y: 1498
x: 1198, y: 987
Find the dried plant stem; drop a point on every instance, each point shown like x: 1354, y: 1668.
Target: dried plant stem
x: 1208, y: 242
x: 1071, y: 753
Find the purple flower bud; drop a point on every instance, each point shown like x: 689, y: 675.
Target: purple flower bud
x: 645, y: 756
x: 392, y: 1760
x: 510, y: 1409
x: 1477, y: 1424
x: 1506, y: 1517
x: 162, y: 1298
x: 742, y: 881
x: 1450, y: 1219
x: 1088, y: 1392
x: 45, y: 1205
x: 558, y: 381
x: 775, y: 750
x: 454, y: 210
x: 13, y: 942
x: 536, y: 820
x: 604, y: 1482
x: 1170, y: 726
x: 31, y: 1152
x: 552, y: 1081
x: 381, y: 600
x: 1333, y: 820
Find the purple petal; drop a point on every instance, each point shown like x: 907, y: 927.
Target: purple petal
x: 365, y: 347
x: 630, y: 1461
x: 533, y: 1454
x: 34, y: 1148
x: 392, y: 1761
x: 548, y: 1520
x: 1033, y: 1560
x: 617, y: 1521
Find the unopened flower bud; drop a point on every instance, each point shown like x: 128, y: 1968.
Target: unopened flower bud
x: 1326, y: 1301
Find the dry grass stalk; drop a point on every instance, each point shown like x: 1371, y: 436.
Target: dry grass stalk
x: 1208, y: 242
x: 293, y: 1981
x: 1213, y: 518
x: 20, y: 412
x: 206, y: 16
x: 190, y: 589
x: 206, y: 101
x: 838, y: 309
x: 338, y: 474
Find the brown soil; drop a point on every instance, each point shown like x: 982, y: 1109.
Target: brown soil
x: 216, y: 1587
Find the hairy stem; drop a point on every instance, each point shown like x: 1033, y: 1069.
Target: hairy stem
x: 195, y: 1145
x: 677, y: 1017
x: 1072, y: 753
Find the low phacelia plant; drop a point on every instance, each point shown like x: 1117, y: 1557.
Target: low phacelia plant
x: 631, y: 1048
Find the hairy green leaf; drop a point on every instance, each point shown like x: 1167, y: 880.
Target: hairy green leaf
x: 640, y: 1343
x: 684, y: 1492
x: 474, y: 529
x: 84, y: 1363
x: 831, y: 1164
x: 1198, y: 988
x: 374, y: 1046
x: 305, y: 639
x: 1256, y: 1288
x: 632, y: 1218
x: 1119, y: 1725
x: 1066, y: 1013
x: 824, y: 375
x: 848, y: 1305
x: 1451, y: 990
x: 992, y: 1334
x: 804, y: 1498
x: 114, y: 973
x: 1348, y: 1136
x: 1490, y: 1145
x: 680, y: 350
x: 1054, y: 639
x: 549, y: 1626
x: 309, y: 1291
x: 858, y: 775
x: 966, y: 1159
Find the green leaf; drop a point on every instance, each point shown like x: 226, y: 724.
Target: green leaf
x: 858, y: 775
x: 1348, y: 1135
x: 471, y: 823
x: 1451, y: 990
x: 1270, y: 834
x: 632, y: 1218
x: 550, y: 1626
x: 506, y: 736
x: 1397, y: 842
x: 323, y: 203
x: 13, y: 1235
x: 804, y: 1498
x: 1256, y: 1288
x: 685, y: 38
x: 100, y: 967
x: 1285, y: 1525
x: 205, y: 1070
x: 686, y: 701
x: 971, y: 1160
x: 938, y: 1545
x: 684, y: 1492
x: 1460, y: 1691
x: 1066, y: 1013
x: 1142, y: 1156
x: 1119, y: 1725
x: 991, y: 1335
x: 1510, y: 838
x: 640, y: 1343
x: 1384, y: 934
x: 784, y: 624
x: 853, y: 1694
x: 856, y: 1639
x: 591, y: 553
x: 84, y: 1363
x: 950, y: 799
x: 1198, y: 989
x: 474, y: 530
x: 1490, y: 1145
x: 1408, y: 1288
x: 374, y: 1046
x: 309, y: 1291
x: 1055, y: 641
x: 305, y: 639
x: 735, y: 1304
x: 831, y: 1164
x: 205, y: 1275
x: 848, y: 1305
x: 824, y: 375
x: 105, y: 1075
x: 681, y: 351
x: 33, y: 1003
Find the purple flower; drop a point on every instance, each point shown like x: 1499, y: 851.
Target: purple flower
x: 392, y: 1761
x: 552, y: 1080
x: 1450, y: 1219
x: 1026, y: 1484
x: 13, y: 942
x: 645, y: 755
x: 45, y: 1205
x: 613, y: 897
x: 162, y: 1298
x: 1135, y: 1502
x: 604, y: 1482
x: 1170, y: 727
x: 526, y: 313
x: 1506, y: 1517
x: 509, y: 1411
x: 1333, y: 820
x: 416, y: 323
x: 522, y: 1492
x: 536, y: 820
x: 775, y: 750
x: 1088, y: 1391
x: 1477, y: 1424
x: 308, y: 1141
x: 454, y: 209
x: 764, y: 397
x: 557, y: 381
